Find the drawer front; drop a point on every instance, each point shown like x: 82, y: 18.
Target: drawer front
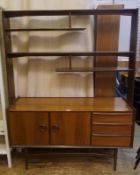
x: 112, y: 130
x: 112, y: 118
x: 28, y: 128
x: 109, y: 141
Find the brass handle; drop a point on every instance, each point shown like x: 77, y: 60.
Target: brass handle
x: 43, y: 127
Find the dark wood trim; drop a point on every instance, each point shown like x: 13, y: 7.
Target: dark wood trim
x: 132, y: 60
x: 115, y: 159
x: 24, y: 54
x: 44, y: 29
x: 9, y: 74
x: 95, y: 69
x: 20, y: 13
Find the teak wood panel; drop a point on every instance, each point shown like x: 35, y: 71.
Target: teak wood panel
x: 71, y: 104
x: 107, y: 39
x: 70, y: 128
x: 111, y: 141
x: 28, y: 128
x: 117, y: 118
x: 112, y: 130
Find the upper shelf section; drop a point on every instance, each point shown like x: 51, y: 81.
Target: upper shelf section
x: 128, y: 12
x: 24, y: 54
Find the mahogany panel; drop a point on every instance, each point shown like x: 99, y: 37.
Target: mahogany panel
x: 71, y: 104
x: 70, y: 128
x: 28, y: 128
x: 112, y: 129
x: 109, y: 141
x: 107, y: 39
x: 116, y: 118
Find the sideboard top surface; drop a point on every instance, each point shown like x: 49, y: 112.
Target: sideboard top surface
x: 96, y: 104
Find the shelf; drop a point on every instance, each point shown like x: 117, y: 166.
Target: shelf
x: 3, y: 150
x: 20, y: 13
x: 2, y: 132
x: 45, y: 29
x: 109, y: 69
x: 24, y: 54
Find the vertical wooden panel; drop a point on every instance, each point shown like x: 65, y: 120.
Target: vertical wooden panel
x: 107, y: 40
x: 7, y: 63
x: 70, y: 128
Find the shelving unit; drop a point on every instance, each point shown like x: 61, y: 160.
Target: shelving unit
x: 95, y: 122
x: 4, y: 141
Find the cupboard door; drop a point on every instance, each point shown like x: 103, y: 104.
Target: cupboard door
x: 28, y: 128
x: 70, y: 128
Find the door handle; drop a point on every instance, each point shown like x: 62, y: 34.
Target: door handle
x: 43, y: 127
x: 55, y: 127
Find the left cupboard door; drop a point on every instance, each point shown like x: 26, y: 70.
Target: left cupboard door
x: 28, y: 128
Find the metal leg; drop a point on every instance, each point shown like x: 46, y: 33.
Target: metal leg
x: 115, y: 158
x: 137, y: 159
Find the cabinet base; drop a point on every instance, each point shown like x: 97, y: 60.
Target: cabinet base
x: 35, y: 156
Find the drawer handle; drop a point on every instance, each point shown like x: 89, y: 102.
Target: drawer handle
x: 43, y: 127
x: 55, y: 127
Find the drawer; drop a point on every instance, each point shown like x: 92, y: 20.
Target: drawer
x: 112, y: 129
x: 109, y: 141
x: 112, y: 118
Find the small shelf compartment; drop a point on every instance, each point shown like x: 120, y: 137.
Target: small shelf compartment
x: 3, y: 150
x: 2, y: 131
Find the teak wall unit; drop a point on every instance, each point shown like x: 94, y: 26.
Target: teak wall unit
x: 97, y: 122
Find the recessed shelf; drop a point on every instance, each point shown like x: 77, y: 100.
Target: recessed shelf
x: 2, y: 131
x: 109, y: 69
x: 44, y: 29
x: 96, y: 53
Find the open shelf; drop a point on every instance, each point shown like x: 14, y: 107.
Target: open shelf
x: 96, y: 53
x: 2, y: 132
x: 44, y: 29
x: 3, y: 149
x: 99, y: 69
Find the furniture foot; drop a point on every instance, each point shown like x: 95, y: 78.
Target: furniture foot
x: 137, y: 159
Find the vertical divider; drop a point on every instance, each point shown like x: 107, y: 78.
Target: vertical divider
x: 132, y: 59
x: 94, y: 49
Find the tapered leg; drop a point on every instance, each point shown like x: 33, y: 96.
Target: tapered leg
x: 115, y: 158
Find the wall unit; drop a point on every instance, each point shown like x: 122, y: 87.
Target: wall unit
x: 97, y: 122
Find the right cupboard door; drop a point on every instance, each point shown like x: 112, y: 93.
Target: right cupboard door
x: 70, y: 128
